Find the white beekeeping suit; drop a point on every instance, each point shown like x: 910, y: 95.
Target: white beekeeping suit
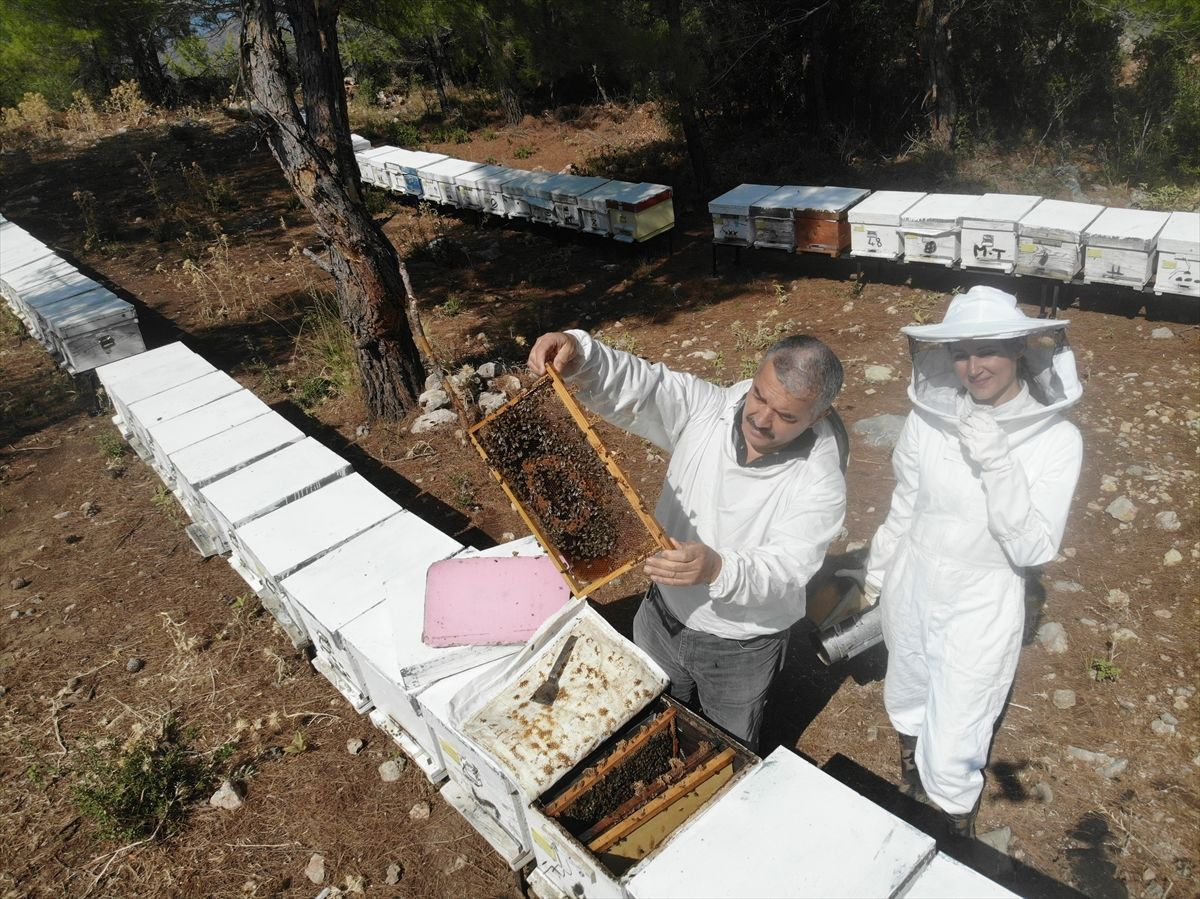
x: 982, y: 492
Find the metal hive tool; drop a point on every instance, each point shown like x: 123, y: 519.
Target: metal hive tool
x: 566, y: 486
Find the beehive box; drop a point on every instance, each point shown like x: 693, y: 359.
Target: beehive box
x: 172, y: 435
x: 638, y: 212
x: 822, y: 225
x: 753, y: 841
x: 403, y: 172
x: 773, y: 219
x: 164, y: 405
x: 931, y: 231
x: 1178, y: 269
x: 479, y: 188
x: 89, y: 330
x: 358, y: 143
x: 989, y: 230
x: 338, y: 587
x: 513, y: 191
x: 593, y: 206
x: 875, y: 223
x: 1050, y: 238
x: 539, y: 197
x: 566, y: 486
x: 442, y: 177
x: 138, y: 377
x: 370, y: 165
x: 566, y: 192
x: 945, y: 878
x: 64, y: 285
x: 391, y: 663
x: 603, y: 823
x: 1119, y: 246
x: 504, y: 750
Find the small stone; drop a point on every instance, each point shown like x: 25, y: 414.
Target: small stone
x: 420, y: 811
x: 1167, y: 521
x: 434, y: 399
x: 706, y: 355
x: 395, y: 872
x: 1171, y: 558
x: 59, y: 516
x: 1168, y: 718
x: 1043, y: 792
x: 872, y: 734
x: 1087, y: 756
x: 390, y: 770
x: 879, y: 374
x: 1148, y: 875
x: 355, y: 883
x: 1162, y: 334
x: 490, y: 401
x: 89, y: 509
x: 1122, y: 509
x: 134, y: 665
x: 1109, y: 484
x: 1053, y: 637
x: 14, y: 614
x: 1155, y: 891
x: 459, y: 862
x: 227, y: 797
x: 1121, y: 634
x: 997, y: 839
x: 880, y: 430
x: 1114, y: 769
x: 487, y: 370
x: 19, y: 582
x: 1117, y: 599
x: 1162, y: 613
x: 1061, y: 585
x: 434, y: 419
x: 355, y: 746
x: 315, y: 869
x: 1064, y: 699
x: 1089, y: 622
x: 362, y: 431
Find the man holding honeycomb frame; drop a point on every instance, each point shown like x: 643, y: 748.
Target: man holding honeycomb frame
x: 753, y: 496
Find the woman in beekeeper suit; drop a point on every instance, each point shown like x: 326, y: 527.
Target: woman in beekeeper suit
x: 985, y: 468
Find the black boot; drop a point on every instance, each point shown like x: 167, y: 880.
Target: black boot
x: 910, y: 777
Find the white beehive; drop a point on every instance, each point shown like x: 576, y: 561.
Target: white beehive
x: 409, y: 174
x: 1050, y: 238
x: 479, y: 188
x: 1178, y: 269
x: 46, y: 277
x: 945, y: 878
x: 593, y: 207
x: 875, y: 223
x: 202, y: 463
x: 280, y: 543
x: 442, y: 179
x: 338, y: 587
x: 163, y: 405
x: 129, y: 380
x: 539, y: 196
x: 18, y: 247
x: 989, y: 230
x: 358, y: 143
x: 496, y: 743
x: 370, y: 165
x: 1119, y: 246
x: 89, y: 329
x: 169, y: 437
x: 513, y: 190
x: 822, y: 223
x: 491, y: 187
x: 751, y: 842
x: 565, y: 193
x: 731, y: 213
x: 640, y: 211
x: 930, y: 228
x: 773, y: 218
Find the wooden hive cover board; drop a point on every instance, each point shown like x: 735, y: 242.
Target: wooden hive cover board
x: 752, y: 841
x: 1181, y: 234
x: 782, y: 202
x: 47, y: 270
x: 85, y: 312
x: 606, y: 682
x: 937, y: 211
x: 59, y: 288
x: 167, y: 404
x: 183, y: 430
x: 234, y: 448
x: 151, y: 372
x: 478, y: 176
x: 945, y: 878
x: 449, y: 168
x: 1059, y: 220
x: 285, y: 540
x: 829, y: 200
x: 597, y: 198
x: 18, y: 250
x: 998, y: 212
x: 341, y: 585
x: 1134, y: 229
x: 637, y: 197
x: 269, y: 483
x: 490, y: 600
x: 569, y: 188
x: 884, y: 207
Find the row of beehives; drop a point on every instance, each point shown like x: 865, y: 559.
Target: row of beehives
x: 81, y: 322
x: 612, y: 789
x: 618, y: 209
x: 1008, y: 233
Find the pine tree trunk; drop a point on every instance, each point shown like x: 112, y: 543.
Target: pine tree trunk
x: 933, y: 46
x: 313, y: 149
x: 685, y: 99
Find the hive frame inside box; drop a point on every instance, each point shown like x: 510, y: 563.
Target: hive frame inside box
x: 581, y: 584
x: 603, y: 858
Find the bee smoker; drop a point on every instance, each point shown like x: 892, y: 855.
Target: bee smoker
x: 855, y: 630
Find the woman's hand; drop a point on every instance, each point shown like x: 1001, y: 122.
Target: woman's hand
x: 556, y: 348
x: 984, y: 440
x: 685, y: 565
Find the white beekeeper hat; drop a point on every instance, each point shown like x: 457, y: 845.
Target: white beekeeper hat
x: 982, y: 312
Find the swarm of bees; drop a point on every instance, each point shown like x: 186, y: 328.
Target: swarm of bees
x: 551, y: 468
x: 622, y: 783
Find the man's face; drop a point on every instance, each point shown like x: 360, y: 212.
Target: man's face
x: 772, y: 418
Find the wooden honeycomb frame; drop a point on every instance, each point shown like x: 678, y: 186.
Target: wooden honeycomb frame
x: 584, y: 576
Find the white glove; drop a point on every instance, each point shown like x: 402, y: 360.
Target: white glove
x: 984, y: 440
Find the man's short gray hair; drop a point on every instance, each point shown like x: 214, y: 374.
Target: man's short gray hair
x: 804, y: 366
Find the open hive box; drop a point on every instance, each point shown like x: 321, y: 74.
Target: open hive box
x: 566, y: 486
x: 629, y: 796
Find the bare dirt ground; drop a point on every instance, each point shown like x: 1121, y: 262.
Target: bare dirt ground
x: 96, y: 568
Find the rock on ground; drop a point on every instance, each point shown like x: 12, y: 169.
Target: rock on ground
x: 315, y: 869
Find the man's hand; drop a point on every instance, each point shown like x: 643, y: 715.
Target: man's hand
x: 556, y: 348
x: 685, y: 565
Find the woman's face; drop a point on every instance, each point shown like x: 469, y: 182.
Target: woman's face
x: 988, y: 369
